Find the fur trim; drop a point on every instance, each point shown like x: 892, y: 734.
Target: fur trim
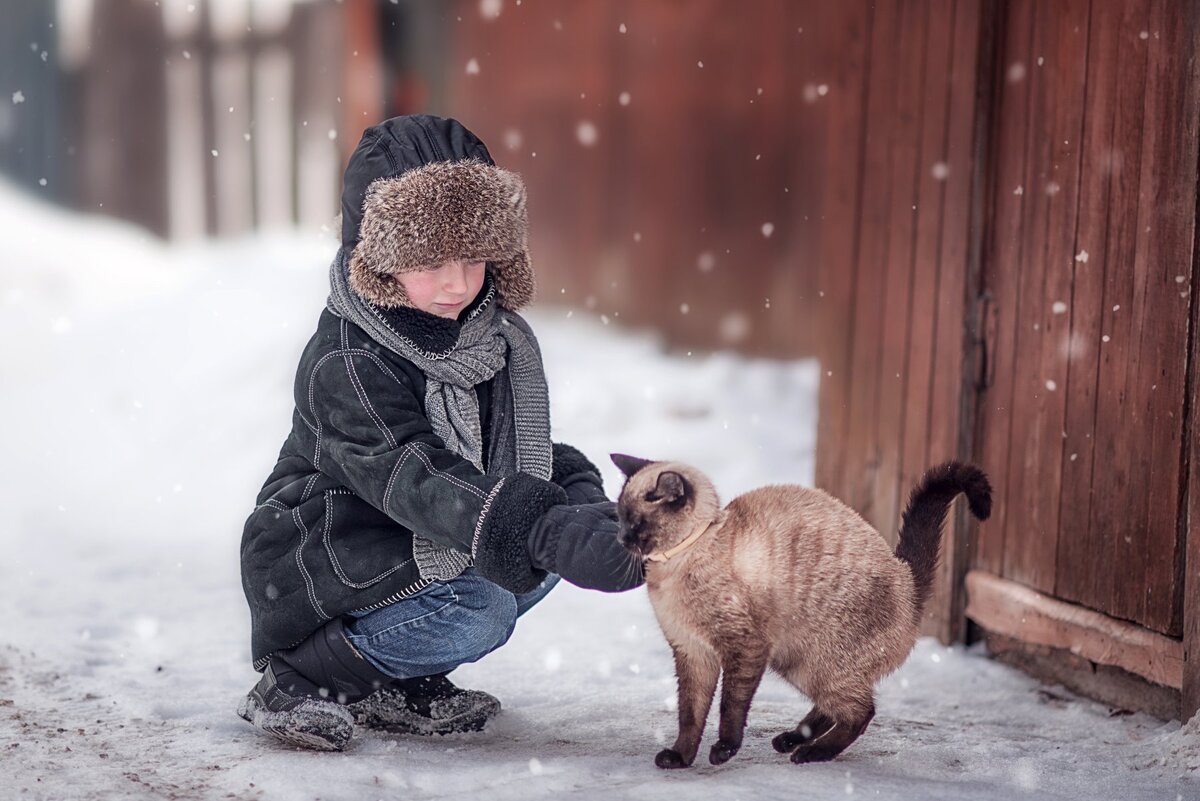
x: 444, y: 210
x: 501, y: 549
x: 568, y: 461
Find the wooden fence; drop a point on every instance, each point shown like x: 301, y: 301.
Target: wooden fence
x: 214, y: 118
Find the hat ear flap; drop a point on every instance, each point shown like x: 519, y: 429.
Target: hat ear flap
x: 380, y: 289
x: 515, y: 285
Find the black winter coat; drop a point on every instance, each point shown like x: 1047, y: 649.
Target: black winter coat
x: 332, y: 531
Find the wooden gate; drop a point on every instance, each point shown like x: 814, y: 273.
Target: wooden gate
x: 1078, y: 329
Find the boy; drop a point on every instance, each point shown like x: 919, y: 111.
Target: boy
x: 418, y: 506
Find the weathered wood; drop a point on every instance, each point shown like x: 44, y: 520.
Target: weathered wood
x: 1167, y: 207
x: 1008, y: 608
x: 1103, y: 243
x: 932, y: 177
x: 861, y: 444
x: 123, y: 146
x: 842, y: 186
x: 952, y: 397
x: 362, y: 76
x: 1003, y: 262
x: 1034, y: 470
x: 1120, y: 689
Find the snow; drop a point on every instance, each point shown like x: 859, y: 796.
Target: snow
x: 138, y: 433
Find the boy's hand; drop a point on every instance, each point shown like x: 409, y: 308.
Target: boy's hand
x: 580, y: 543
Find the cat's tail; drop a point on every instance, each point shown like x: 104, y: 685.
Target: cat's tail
x: 921, y: 529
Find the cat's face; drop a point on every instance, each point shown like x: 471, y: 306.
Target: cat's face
x: 661, y: 503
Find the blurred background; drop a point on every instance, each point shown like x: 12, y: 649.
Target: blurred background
x: 977, y: 215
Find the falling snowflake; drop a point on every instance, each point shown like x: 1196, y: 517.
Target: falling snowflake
x: 706, y: 262
x: 940, y: 171
x: 18, y: 97
x: 1016, y: 72
x: 535, y: 767
x: 622, y: 28
x: 684, y: 308
x: 472, y: 67
x: 1020, y: 190
x: 700, y: 64
x: 768, y: 229
x: 624, y: 98
x: 1059, y: 307
x: 512, y: 139
x: 1105, y: 338
x: 1082, y: 256
x: 586, y: 133
x: 215, y: 153
x: 490, y: 9
x: 1051, y: 385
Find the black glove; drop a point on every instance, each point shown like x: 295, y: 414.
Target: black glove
x: 578, y: 477
x: 580, y: 543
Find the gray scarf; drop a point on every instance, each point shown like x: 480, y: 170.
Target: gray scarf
x: 487, y: 338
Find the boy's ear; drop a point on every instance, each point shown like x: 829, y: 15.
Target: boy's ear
x: 628, y: 464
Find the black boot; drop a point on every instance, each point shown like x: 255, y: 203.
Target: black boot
x: 302, y: 696
x: 425, y: 705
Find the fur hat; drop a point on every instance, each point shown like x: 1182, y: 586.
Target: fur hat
x: 467, y: 210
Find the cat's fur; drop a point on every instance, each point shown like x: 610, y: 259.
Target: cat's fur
x: 789, y: 578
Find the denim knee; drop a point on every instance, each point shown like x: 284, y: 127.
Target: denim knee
x: 489, y: 616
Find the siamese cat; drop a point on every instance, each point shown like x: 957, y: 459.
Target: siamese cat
x: 788, y: 578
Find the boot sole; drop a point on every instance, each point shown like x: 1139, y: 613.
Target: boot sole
x: 307, y: 726
x: 469, y: 721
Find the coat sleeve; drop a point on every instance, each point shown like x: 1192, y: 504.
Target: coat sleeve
x: 372, y: 436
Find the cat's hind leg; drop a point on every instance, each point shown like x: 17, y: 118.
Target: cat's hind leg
x: 850, y: 720
x: 815, y: 724
x: 697, y: 672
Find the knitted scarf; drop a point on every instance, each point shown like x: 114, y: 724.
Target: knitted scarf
x: 488, y: 339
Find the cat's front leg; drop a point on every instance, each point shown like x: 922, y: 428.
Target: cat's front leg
x: 742, y: 670
x: 697, y: 672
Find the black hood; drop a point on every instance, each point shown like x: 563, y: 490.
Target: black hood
x: 395, y: 146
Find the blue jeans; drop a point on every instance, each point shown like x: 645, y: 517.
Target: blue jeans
x: 443, y: 626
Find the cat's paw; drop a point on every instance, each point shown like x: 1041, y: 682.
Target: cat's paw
x: 785, y: 742
x: 669, y: 758
x: 722, y: 751
x: 813, y: 753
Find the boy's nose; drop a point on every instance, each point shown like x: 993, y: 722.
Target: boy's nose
x: 456, y: 278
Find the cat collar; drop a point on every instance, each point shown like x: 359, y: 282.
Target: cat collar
x: 662, y: 556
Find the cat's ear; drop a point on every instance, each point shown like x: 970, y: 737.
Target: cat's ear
x: 671, y: 487
x: 628, y: 464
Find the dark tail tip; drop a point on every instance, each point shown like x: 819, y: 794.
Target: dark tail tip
x: 974, y: 483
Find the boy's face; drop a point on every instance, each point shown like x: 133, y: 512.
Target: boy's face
x: 445, y: 289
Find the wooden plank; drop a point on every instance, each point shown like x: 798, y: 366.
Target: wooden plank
x: 361, y: 75
x: 1004, y: 260
x: 1190, y: 517
x: 1008, y: 608
x: 1034, y: 470
x: 898, y: 266
x: 842, y: 189
x: 1167, y: 207
x: 952, y: 393
x: 1119, y: 689
x: 1104, y: 243
x: 861, y: 464
x: 933, y: 173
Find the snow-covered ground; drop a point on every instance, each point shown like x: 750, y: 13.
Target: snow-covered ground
x: 146, y: 391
